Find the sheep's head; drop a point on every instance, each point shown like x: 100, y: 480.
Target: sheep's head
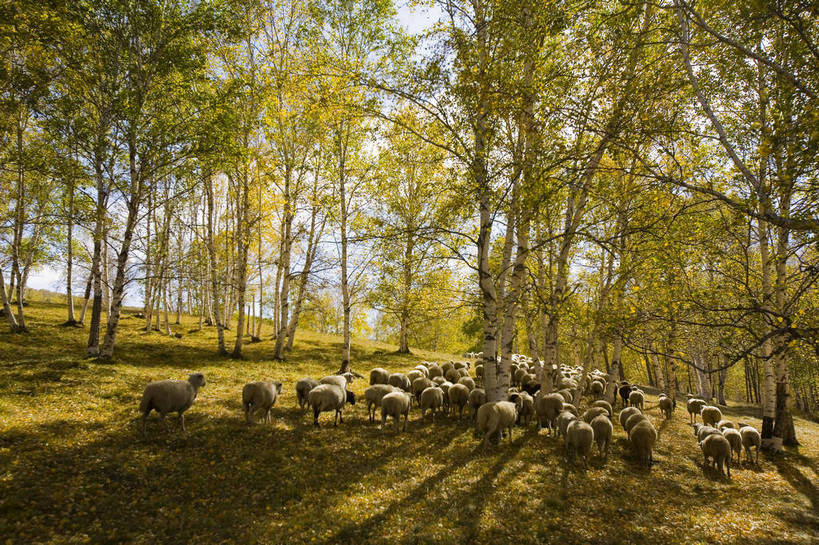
x: 278, y: 386
x: 197, y: 380
x: 350, y: 397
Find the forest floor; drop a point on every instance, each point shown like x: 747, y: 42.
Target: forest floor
x: 75, y: 469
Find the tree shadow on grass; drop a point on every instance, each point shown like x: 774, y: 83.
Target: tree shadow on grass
x: 468, y: 499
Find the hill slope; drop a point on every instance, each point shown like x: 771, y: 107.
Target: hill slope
x: 74, y: 468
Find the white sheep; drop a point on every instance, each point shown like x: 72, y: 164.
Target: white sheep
x: 419, y: 385
x: 605, y: 404
x: 666, y: 406
x: 710, y: 415
x: 469, y: 382
x: 259, y: 398
x: 303, y: 387
x: 342, y: 381
x: 373, y: 395
x: 379, y: 376
x: 477, y: 397
x: 717, y: 447
x: 642, y: 437
x: 571, y: 408
x: 400, y: 380
x: 414, y: 374
x: 494, y: 417
x: 525, y: 405
x: 633, y: 420
x: 458, y: 398
x: 722, y: 424
x: 432, y: 399
x: 547, y: 408
x: 694, y: 406
x: 563, y: 420
x: 329, y: 397
x: 735, y: 439
x: 750, y: 438
x: 593, y: 413
x: 170, y: 396
x: 395, y: 404
x: 701, y: 432
x: 626, y: 413
x: 579, y: 440
x: 603, y: 431
x: 636, y: 399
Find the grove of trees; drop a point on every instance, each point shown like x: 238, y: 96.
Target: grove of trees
x: 629, y: 186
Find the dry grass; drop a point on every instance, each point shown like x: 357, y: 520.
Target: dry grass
x: 73, y: 467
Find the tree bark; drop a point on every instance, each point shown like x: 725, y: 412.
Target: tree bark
x: 214, y: 277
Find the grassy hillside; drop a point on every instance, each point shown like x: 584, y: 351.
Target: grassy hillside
x: 73, y: 467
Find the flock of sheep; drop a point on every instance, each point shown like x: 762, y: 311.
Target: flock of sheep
x: 719, y: 438
x: 449, y: 389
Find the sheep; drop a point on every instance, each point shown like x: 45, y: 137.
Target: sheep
x: 518, y: 376
x: 563, y: 420
x: 435, y: 371
x: 170, y: 396
x: 603, y: 431
x: 567, y: 395
x: 477, y: 397
x: 413, y: 375
x: 605, y: 404
x: 439, y: 380
x: 373, y: 395
x: 469, y: 382
x: 642, y: 437
x: 710, y: 415
x: 379, y: 376
x: 342, y: 381
x: 636, y: 398
x: 633, y: 420
x: 458, y: 397
x: 259, y: 397
x: 750, y: 438
x: 593, y: 413
x: 597, y: 389
x: 452, y: 375
x: 494, y: 417
x: 400, y: 380
x: 419, y: 385
x: 432, y: 399
x: 423, y: 369
x: 395, y: 404
x: 694, y: 406
x: 571, y: 408
x: 701, y: 432
x: 329, y: 397
x: 626, y: 413
x: 722, y: 424
x: 666, y: 406
x: 624, y: 390
x: 303, y: 387
x: 479, y: 372
x: 531, y: 385
x: 445, y: 386
x: 547, y: 408
x: 579, y: 440
x: 717, y: 447
x: 525, y: 405
x: 735, y: 439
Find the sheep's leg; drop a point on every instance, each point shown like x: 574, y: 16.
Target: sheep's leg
x: 315, y: 417
x: 182, y: 421
x: 164, y: 422
x: 144, y: 419
x: 406, y: 417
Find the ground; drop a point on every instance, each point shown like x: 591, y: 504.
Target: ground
x: 74, y: 468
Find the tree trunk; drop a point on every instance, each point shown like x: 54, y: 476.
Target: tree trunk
x: 214, y: 277
x: 7, y: 306
x: 658, y: 374
x: 312, y: 248
x: 284, y: 264
x: 69, y: 265
x: 93, y: 348
x: 242, y: 224
x: 118, y: 292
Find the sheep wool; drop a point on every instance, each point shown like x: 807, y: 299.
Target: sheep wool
x: 603, y: 431
x: 329, y: 397
x: 547, y: 408
x: 735, y: 440
x: 710, y: 415
x: 579, y: 441
x: 626, y: 413
x: 170, y: 396
x: 303, y: 387
x: 395, y: 404
x: 642, y: 437
x: 373, y: 395
x: 718, y: 449
x: 431, y: 399
x: 477, y: 397
x: 750, y: 438
x: 666, y: 406
x: 258, y: 398
x: 458, y: 398
x: 379, y: 376
x: 694, y: 406
x: 495, y: 417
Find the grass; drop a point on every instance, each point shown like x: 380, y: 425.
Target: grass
x: 74, y: 469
